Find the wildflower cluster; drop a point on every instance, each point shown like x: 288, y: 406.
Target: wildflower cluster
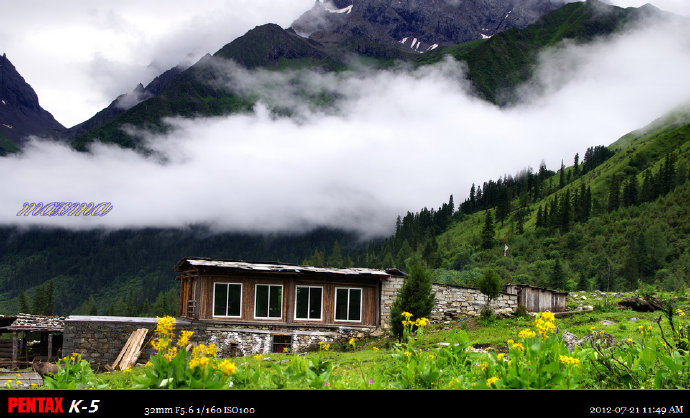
x: 173, y: 366
x: 545, y: 323
x: 568, y: 361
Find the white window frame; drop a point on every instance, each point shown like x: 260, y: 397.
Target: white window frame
x: 335, y: 304
x: 227, y: 295
x: 282, y: 294
x: 320, y: 318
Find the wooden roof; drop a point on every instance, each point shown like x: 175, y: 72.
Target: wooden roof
x: 36, y: 323
x: 197, y: 262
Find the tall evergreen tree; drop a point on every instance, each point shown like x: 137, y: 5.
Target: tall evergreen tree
x: 23, y: 302
x: 557, y: 279
x: 415, y: 296
x: 488, y: 231
x: 614, y: 194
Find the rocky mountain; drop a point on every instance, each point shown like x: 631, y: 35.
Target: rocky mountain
x: 20, y: 113
x: 415, y: 25
x: 124, y: 102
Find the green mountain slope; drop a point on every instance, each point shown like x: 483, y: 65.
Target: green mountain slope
x: 193, y: 92
x: 635, y: 231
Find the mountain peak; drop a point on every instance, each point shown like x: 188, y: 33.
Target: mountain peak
x: 20, y: 113
x: 417, y: 25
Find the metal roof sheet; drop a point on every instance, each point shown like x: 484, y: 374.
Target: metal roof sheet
x: 286, y: 268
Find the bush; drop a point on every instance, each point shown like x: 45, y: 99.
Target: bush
x: 415, y: 297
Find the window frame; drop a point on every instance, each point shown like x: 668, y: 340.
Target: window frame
x: 320, y: 318
x: 335, y: 304
x: 227, y: 296
x: 282, y: 294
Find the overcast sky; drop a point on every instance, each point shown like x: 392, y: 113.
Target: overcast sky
x: 399, y: 140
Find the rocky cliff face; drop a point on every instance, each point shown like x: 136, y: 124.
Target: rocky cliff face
x: 417, y: 25
x: 20, y: 113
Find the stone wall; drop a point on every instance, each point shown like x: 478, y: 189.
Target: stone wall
x: 451, y: 301
x: 100, y: 339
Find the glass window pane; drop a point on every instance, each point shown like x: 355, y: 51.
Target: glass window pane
x: 276, y: 302
x: 261, y: 302
x: 341, y: 304
x: 301, y: 302
x: 315, y: 303
x: 355, y: 303
x: 220, y: 299
x: 234, y: 299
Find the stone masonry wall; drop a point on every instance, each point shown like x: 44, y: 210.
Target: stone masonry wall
x: 451, y: 301
x: 100, y: 339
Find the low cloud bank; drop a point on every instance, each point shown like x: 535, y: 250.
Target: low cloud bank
x: 391, y: 142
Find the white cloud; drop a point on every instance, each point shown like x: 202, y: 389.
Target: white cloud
x: 397, y: 140
x: 80, y: 56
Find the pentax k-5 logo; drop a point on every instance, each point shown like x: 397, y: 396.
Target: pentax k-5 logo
x: 48, y: 405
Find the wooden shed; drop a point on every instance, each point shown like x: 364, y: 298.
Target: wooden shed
x: 21, y: 349
x: 280, y: 294
x: 538, y: 299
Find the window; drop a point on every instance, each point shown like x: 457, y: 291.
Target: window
x: 348, y: 304
x: 268, y: 301
x: 308, y: 301
x: 281, y: 343
x: 227, y: 299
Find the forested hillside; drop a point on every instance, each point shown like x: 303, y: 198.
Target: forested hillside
x: 616, y: 219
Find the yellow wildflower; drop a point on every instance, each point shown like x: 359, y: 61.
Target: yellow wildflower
x: 148, y: 364
x: 527, y: 333
x: 569, y: 360
x: 375, y: 348
x: 490, y: 381
x: 170, y: 355
x: 351, y: 342
x: 407, y: 315
x: 407, y: 353
x: 680, y: 312
x: 500, y: 356
x: 184, y: 338
x: 258, y: 356
x: 227, y: 367
x: 641, y: 329
x: 200, y: 362
x: 518, y: 347
x: 421, y: 322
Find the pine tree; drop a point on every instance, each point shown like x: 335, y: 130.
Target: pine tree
x: 576, y: 166
x: 23, y: 302
x: 336, y: 258
x: 557, y: 280
x: 630, y: 191
x: 561, y: 179
x: 415, y: 296
x: 614, y: 194
x: 488, y: 231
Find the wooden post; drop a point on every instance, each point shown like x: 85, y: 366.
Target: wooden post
x: 50, y: 345
x: 15, y: 349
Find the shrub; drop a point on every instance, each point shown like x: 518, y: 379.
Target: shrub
x: 415, y: 297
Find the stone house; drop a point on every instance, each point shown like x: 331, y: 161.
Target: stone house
x: 250, y: 308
